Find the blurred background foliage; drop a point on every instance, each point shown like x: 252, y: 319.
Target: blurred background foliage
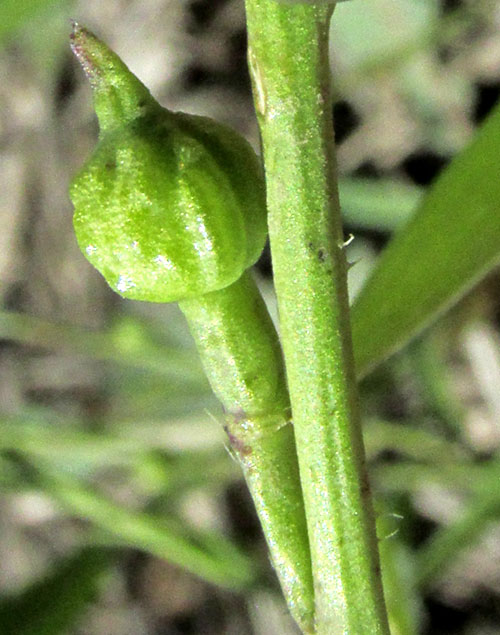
x: 121, y: 510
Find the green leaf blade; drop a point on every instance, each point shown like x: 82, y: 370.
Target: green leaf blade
x: 228, y: 567
x: 452, y: 241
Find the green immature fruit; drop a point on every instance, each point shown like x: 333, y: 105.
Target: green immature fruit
x: 172, y: 208
x: 169, y: 206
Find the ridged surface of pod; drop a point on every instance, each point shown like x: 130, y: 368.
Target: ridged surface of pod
x: 169, y: 206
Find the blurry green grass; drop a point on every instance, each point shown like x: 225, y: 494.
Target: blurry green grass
x: 14, y: 14
x: 161, y: 430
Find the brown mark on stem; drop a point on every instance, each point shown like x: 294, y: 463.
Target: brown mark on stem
x: 365, y: 488
x: 237, y: 444
x: 320, y: 252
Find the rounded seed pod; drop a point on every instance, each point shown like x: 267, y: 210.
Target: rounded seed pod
x: 169, y: 206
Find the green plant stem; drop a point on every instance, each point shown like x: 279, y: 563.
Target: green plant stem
x: 290, y: 72
x: 240, y: 351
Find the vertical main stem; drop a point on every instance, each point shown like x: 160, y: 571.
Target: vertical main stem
x: 288, y: 58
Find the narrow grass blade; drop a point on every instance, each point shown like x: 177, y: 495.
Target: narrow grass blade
x: 122, y: 444
x: 446, y: 546
x: 451, y: 242
x: 228, y: 567
x: 410, y: 441
x: 385, y: 205
x: 136, y: 351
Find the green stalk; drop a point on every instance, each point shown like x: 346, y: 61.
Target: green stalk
x: 288, y: 58
x: 240, y: 351
x: 172, y: 207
